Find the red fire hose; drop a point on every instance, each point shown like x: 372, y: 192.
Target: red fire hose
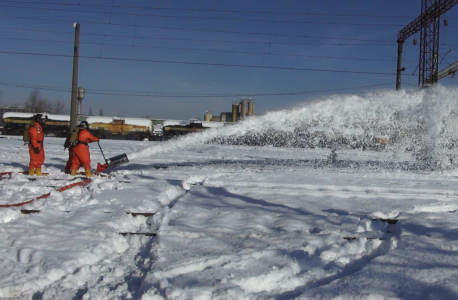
x: 64, y: 188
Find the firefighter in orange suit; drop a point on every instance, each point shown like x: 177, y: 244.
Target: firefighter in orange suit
x: 36, y: 149
x: 81, y: 155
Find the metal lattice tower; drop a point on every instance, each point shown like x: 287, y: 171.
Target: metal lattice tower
x: 428, y: 24
x: 429, y: 48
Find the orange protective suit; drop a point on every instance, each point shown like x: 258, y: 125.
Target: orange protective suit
x: 36, y: 150
x: 81, y: 155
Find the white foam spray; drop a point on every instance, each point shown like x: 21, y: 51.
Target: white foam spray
x: 424, y: 122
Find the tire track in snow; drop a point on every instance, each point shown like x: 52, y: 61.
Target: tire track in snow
x: 338, y: 191
x: 383, y: 248
x: 292, y: 272
x: 135, y: 260
x: 140, y: 264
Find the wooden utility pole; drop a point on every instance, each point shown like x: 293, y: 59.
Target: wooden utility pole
x: 74, y: 102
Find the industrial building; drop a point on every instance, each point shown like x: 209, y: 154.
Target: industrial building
x: 240, y: 111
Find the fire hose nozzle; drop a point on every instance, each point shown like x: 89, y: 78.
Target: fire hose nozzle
x: 113, y: 162
x: 117, y: 160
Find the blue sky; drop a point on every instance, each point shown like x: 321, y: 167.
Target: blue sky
x: 177, y: 59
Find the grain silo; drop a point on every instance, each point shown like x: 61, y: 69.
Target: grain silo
x: 235, y: 111
x: 250, y: 107
x: 243, y: 108
x: 208, y: 116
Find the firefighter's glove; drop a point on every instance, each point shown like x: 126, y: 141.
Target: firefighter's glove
x: 36, y: 150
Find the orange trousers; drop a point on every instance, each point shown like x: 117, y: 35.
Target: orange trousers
x: 81, y: 157
x: 36, y: 160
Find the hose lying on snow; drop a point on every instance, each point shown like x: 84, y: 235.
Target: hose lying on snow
x: 85, y: 181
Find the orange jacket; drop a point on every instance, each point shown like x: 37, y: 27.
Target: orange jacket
x: 86, y: 137
x: 80, y: 153
x: 36, y: 135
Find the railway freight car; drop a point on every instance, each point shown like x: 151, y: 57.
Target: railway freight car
x: 174, y: 128
x: 14, y: 123
x: 121, y: 128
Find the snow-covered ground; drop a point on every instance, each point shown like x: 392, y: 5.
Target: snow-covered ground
x: 230, y: 222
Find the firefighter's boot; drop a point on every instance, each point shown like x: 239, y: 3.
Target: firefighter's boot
x: 31, y: 171
x: 88, y: 173
x: 38, y: 172
x: 73, y: 172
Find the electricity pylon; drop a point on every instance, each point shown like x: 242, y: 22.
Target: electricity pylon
x: 428, y: 24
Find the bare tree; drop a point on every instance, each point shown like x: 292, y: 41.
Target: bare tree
x: 89, y: 112
x: 58, y: 106
x: 101, y: 112
x: 36, y: 102
x: 47, y: 106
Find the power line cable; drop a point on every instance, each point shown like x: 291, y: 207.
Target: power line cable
x: 28, y: 86
x: 201, y: 63
x: 248, y: 94
x: 201, y: 40
x: 202, y: 10
x: 202, y: 30
x: 184, y: 95
x: 173, y: 16
x: 133, y: 45
x: 205, y: 50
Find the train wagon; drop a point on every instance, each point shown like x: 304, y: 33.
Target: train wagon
x: 173, y: 128
x: 14, y: 123
x: 121, y: 128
